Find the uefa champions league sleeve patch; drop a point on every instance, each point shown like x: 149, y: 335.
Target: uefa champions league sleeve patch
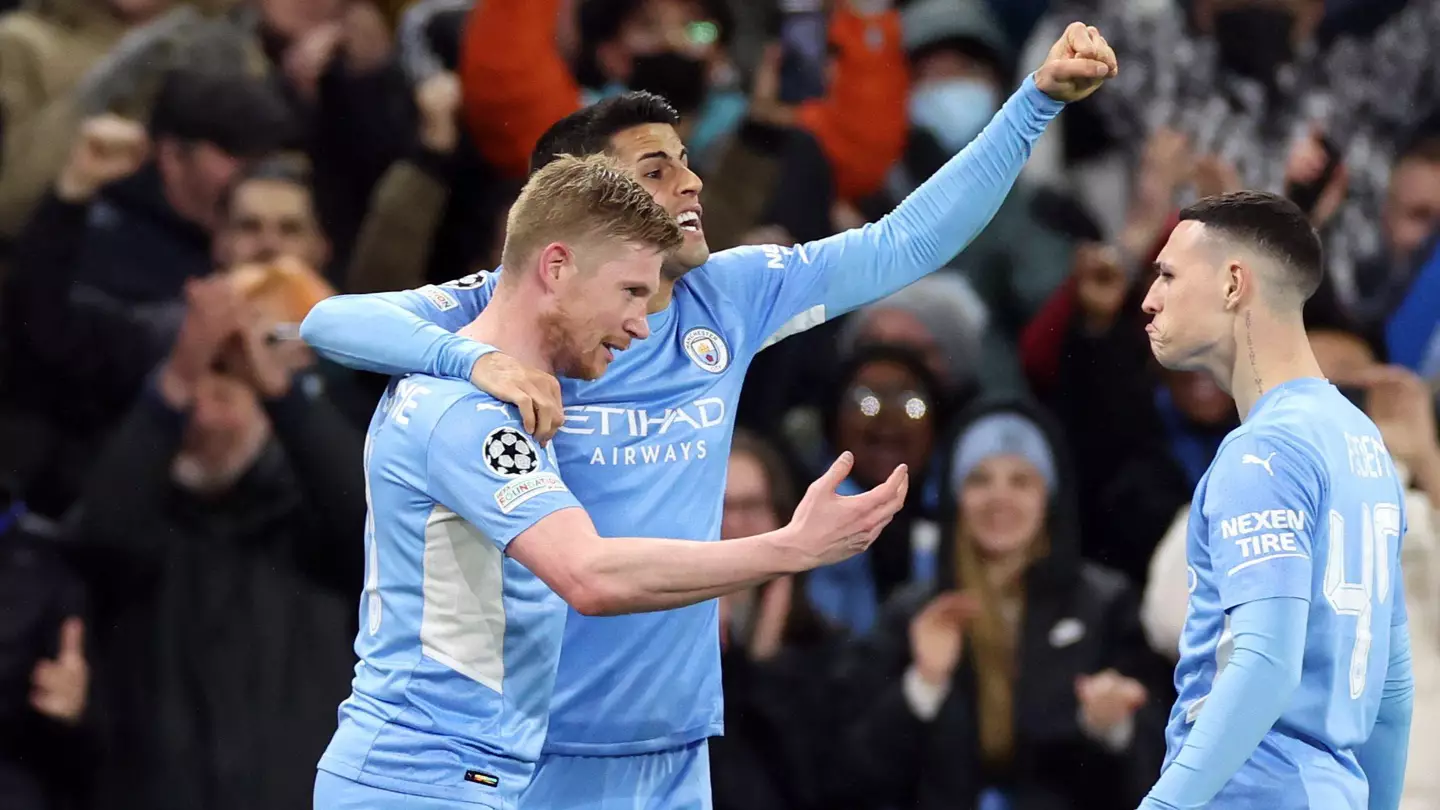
x: 509, y: 453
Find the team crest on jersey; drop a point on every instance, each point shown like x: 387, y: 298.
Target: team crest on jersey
x: 707, y: 349
x: 510, y: 453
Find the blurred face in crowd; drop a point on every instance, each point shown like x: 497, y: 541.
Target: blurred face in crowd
x: 226, y: 432
x: 662, y: 165
x: 669, y: 47
x: 954, y: 95
x: 267, y: 219
x: 896, y: 327
x: 1003, y: 502
x: 1412, y: 206
x: 1255, y: 37
x: 600, y: 305
x: 1191, y: 326
x: 196, y: 176
x: 886, y: 420
x: 1199, y: 399
x: 749, y: 507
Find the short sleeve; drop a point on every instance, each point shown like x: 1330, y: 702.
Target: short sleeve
x: 485, y: 468
x: 1262, y: 502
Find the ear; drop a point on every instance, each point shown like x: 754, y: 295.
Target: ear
x: 556, y: 262
x: 1237, y: 280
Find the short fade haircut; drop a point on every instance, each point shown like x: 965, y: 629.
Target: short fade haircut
x: 288, y: 168
x: 585, y: 199
x: 1270, y: 224
x: 588, y: 131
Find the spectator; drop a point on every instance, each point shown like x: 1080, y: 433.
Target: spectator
x: 268, y: 214
x: 218, y: 530
x: 45, y: 50
x: 887, y: 410
x: 778, y: 657
x: 961, y: 68
x: 945, y: 712
x: 1249, y: 82
x: 46, y: 725
x: 938, y: 316
x: 148, y: 230
x: 513, y: 73
x: 60, y: 330
x: 1409, y: 216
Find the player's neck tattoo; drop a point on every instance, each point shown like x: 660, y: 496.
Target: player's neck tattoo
x: 1250, y: 347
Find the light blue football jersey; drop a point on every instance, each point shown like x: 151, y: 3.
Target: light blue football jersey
x: 645, y: 448
x: 1301, y: 501
x: 458, y: 643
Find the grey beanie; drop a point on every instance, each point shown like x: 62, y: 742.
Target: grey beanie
x: 948, y: 307
x: 1007, y: 433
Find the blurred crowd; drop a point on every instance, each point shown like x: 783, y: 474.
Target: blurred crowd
x: 181, y: 501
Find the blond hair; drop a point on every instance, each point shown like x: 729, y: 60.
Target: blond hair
x: 994, y: 640
x: 585, y: 199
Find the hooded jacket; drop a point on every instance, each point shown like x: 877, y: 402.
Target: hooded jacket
x: 1078, y: 619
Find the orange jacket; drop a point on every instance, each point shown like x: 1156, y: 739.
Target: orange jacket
x: 516, y: 84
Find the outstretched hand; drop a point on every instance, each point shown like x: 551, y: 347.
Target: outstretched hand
x: 1078, y: 63
x: 829, y: 527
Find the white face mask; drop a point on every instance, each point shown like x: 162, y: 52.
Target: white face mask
x: 953, y: 110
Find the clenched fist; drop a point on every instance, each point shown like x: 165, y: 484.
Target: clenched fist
x: 107, y: 148
x: 1078, y: 63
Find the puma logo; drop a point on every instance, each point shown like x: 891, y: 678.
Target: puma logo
x: 1250, y: 458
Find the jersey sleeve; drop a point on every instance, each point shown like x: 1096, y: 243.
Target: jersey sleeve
x: 406, y: 332
x: 482, y: 466
x: 1261, y: 506
x: 791, y: 289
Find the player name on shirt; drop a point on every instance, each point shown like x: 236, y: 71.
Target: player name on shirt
x: 1368, y: 456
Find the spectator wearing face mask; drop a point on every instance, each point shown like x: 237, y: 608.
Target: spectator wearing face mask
x: 961, y: 68
x: 217, y: 533
x: 1020, y: 678
x: 513, y: 73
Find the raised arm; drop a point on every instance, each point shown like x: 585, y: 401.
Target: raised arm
x: 829, y: 277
